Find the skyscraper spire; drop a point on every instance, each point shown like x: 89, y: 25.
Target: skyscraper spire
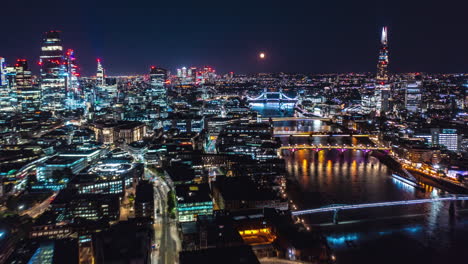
x: 384, y: 38
x: 382, y: 65
x: 99, y: 74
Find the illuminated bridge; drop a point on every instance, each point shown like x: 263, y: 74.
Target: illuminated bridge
x: 279, y: 97
x: 293, y: 118
x: 296, y: 133
x: 341, y: 148
x: 335, y: 208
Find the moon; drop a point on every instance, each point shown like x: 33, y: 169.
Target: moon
x: 262, y: 55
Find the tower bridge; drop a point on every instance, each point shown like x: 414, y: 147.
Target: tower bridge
x: 274, y: 97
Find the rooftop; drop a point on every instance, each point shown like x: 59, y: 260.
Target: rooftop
x: 228, y: 255
x: 193, y: 193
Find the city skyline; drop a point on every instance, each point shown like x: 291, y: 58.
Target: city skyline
x: 299, y: 37
x: 259, y: 132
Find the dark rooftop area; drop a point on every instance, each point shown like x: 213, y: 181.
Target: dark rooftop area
x: 226, y: 255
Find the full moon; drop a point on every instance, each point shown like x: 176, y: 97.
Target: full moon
x: 262, y: 55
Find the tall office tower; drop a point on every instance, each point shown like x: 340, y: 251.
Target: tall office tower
x: 5, y: 86
x: 192, y: 72
x: 73, y: 85
x: 158, y: 78
x: 382, y: 96
x: 53, y: 72
x: 3, y: 72
x: 382, y: 65
x: 72, y: 70
x: 184, y: 72
x: 28, y: 96
x: 382, y: 89
x: 413, y: 96
x: 179, y: 73
x: 100, y: 74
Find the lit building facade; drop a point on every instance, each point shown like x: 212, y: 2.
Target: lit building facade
x: 382, y: 65
x: 157, y: 92
x: 28, y: 96
x: 5, y: 86
x: 3, y: 80
x: 125, y: 131
x: 382, y: 91
x: 56, y: 163
x: 53, y: 72
x: 99, y: 74
x: 193, y: 200
x: 74, y: 98
x: 446, y: 137
x: 413, y: 97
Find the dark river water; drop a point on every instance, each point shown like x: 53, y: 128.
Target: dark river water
x: 423, y: 233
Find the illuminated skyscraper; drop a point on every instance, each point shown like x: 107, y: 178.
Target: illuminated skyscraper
x: 413, y: 97
x: 72, y: 69
x: 382, y: 65
x: 3, y: 72
x: 99, y: 74
x: 382, y: 91
x: 158, y: 79
x: 5, y: 87
x: 73, y: 86
x: 53, y: 72
x: 28, y: 96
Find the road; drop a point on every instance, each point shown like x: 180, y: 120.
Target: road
x: 40, y: 208
x: 166, y: 231
x: 126, y: 211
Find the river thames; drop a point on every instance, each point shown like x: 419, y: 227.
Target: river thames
x: 423, y: 233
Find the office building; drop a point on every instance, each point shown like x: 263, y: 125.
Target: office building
x: 74, y: 93
x: 448, y: 138
x: 46, y: 169
x: 3, y: 72
x: 193, y: 200
x: 89, y: 206
x: 157, y: 91
x: 112, y: 132
x: 6, y: 99
x: 28, y: 95
x: 144, y: 200
x: 53, y: 72
x: 413, y: 97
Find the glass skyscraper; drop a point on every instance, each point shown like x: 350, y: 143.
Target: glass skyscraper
x: 53, y: 72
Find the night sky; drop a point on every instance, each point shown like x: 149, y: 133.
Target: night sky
x: 297, y: 36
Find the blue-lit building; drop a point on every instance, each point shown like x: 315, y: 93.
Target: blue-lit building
x: 193, y: 200
x: 157, y: 91
x: 92, y: 183
x: 58, y: 163
x: 71, y: 204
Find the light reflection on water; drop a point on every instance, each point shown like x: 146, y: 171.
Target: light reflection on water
x: 404, y: 234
